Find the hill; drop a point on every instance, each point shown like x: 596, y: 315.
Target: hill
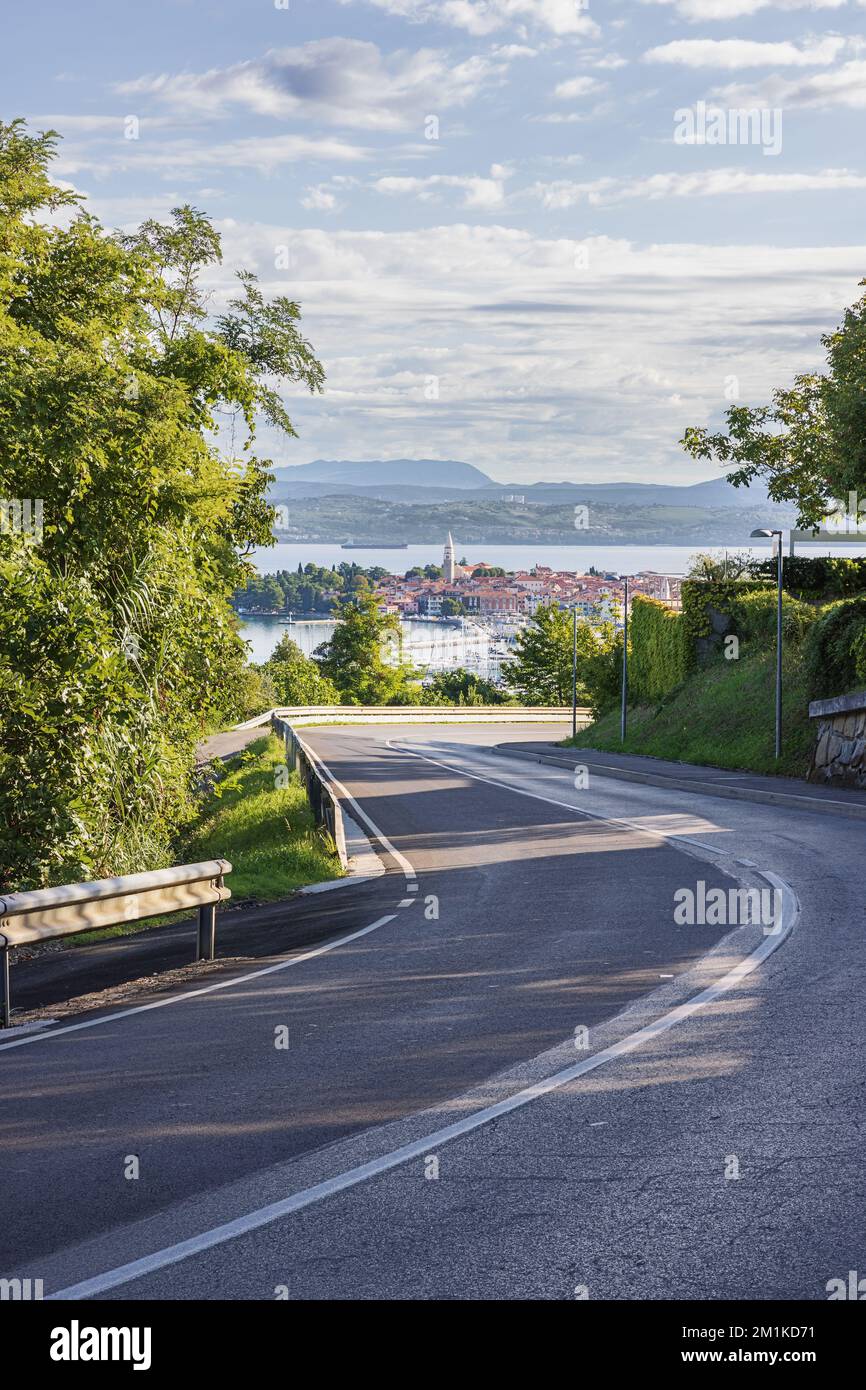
x: 447, y: 473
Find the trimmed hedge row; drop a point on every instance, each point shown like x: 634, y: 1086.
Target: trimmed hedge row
x: 661, y: 653
x: 664, y: 644
x: 819, y: 577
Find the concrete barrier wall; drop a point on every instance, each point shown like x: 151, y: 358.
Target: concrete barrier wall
x: 840, y: 742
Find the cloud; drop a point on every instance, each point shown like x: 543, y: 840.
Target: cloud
x: 845, y: 86
x: 477, y: 192
x: 578, y: 87
x: 700, y: 10
x: 176, y: 158
x: 482, y: 17
x: 744, y: 53
x: 564, y: 193
x: 337, y: 81
x: 592, y: 339
x: 319, y: 199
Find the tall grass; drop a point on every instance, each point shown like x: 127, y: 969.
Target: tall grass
x: 724, y: 716
x: 264, y: 828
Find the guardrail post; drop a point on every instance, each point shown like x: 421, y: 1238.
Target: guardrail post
x: 5, y: 988
x: 206, y: 943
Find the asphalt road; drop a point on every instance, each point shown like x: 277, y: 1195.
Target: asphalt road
x: 507, y: 920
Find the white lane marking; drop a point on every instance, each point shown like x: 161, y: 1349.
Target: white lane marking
x: 406, y: 902
x: 347, y: 795
x: 255, y: 974
x: 205, y: 989
x: 275, y: 1211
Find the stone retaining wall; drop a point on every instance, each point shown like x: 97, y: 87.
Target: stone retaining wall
x: 840, y: 745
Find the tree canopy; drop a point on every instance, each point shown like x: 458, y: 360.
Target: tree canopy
x: 364, y: 659
x: 809, y: 444
x: 119, y: 647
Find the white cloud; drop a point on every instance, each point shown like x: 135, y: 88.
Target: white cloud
x: 175, y: 158
x: 477, y: 192
x: 698, y: 10
x: 845, y: 86
x: 337, y: 81
x: 586, y: 361
x: 319, y: 199
x: 745, y: 53
x: 564, y: 193
x: 577, y: 87
x: 482, y: 17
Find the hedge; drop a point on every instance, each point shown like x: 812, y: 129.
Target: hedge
x: 816, y: 577
x: 661, y: 653
x: 836, y: 649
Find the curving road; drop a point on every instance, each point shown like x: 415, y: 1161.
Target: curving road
x: 715, y: 1156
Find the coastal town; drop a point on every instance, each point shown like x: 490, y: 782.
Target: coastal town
x: 478, y: 589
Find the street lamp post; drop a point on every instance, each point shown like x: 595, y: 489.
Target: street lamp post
x: 574, y: 674
x: 778, y: 534
x: 622, y: 722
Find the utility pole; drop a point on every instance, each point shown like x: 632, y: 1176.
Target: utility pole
x: 624, y: 659
x: 574, y: 674
x: 777, y: 540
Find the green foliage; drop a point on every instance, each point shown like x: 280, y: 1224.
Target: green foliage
x: 541, y: 670
x: 707, y: 565
x: 118, y: 646
x: 835, y: 652
x: 452, y: 608
x: 754, y: 613
x: 661, y: 654
x: 309, y: 589
x: 363, y: 657
x: 258, y: 817
x: 461, y: 687
x: 601, y: 672
x: 817, y: 577
x: 255, y: 693
x: 296, y: 678
x: 809, y: 445
x: 722, y: 715
x: 701, y: 595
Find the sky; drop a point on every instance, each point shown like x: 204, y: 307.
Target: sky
x: 534, y: 235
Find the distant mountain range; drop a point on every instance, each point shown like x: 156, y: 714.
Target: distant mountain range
x: 398, y: 479
x: 421, y: 499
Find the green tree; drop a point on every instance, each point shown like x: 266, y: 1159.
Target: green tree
x: 462, y: 687
x: 541, y: 670
x: 363, y: 657
x: 809, y: 444
x: 452, y: 608
x: 118, y: 647
x: 296, y: 678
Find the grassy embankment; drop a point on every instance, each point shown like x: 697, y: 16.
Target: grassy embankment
x: 722, y: 715
x: 266, y: 832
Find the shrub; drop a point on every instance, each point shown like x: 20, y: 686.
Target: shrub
x: 817, y: 577
x: 836, y: 649
x: 601, y: 675
x: 661, y: 653
x: 754, y: 616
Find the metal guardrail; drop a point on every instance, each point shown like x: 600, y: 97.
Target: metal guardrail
x: 45, y: 913
x: 323, y: 798
x: 299, y: 715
